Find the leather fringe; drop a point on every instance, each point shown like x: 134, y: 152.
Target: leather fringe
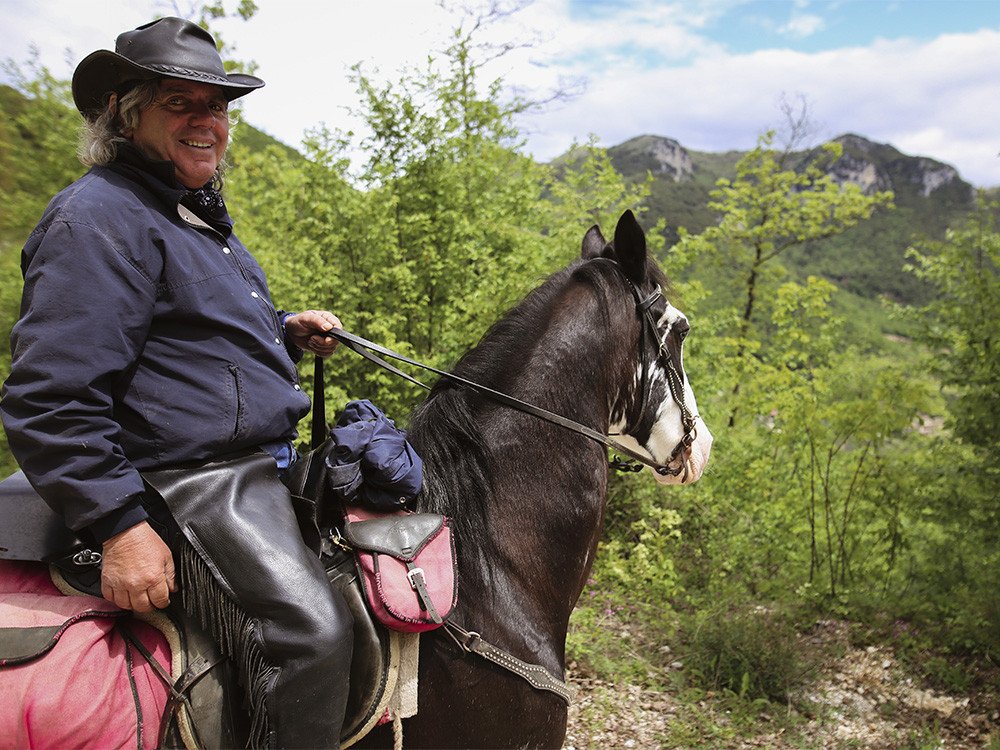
x: 204, y: 598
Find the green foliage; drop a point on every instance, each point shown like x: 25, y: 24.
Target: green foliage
x: 610, y: 639
x: 960, y: 325
x: 865, y: 261
x: 37, y: 145
x: 10, y: 304
x: 766, y: 209
x: 440, y: 230
x: 746, y: 651
x: 642, y: 542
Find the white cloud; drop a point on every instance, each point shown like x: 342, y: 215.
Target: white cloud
x: 895, y: 92
x: 803, y: 25
x: 651, y: 68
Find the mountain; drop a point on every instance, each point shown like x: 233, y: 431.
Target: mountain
x: 867, y: 260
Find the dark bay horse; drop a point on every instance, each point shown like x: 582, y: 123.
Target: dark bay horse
x: 598, y: 344
x: 527, y: 496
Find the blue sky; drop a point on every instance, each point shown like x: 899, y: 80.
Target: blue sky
x: 923, y: 75
x: 819, y: 26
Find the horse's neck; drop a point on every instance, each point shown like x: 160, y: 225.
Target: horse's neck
x: 550, y: 484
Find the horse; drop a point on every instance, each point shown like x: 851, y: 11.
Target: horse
x: 528, y: 496
x: 599, y: 345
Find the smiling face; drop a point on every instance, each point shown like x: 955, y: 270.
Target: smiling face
x: 187, y: 124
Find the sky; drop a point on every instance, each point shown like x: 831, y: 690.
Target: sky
x: 921, y: 75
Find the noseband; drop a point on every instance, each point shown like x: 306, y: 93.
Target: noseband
x: 370, y: 350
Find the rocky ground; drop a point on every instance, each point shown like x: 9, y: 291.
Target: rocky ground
x: 862, y: 698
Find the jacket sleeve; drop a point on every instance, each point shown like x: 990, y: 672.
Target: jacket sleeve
x: 85, y: 313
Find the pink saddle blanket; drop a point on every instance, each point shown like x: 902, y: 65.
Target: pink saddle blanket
x: 65, y: 669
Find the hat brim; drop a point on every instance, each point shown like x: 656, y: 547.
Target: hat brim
x: 102, y: 72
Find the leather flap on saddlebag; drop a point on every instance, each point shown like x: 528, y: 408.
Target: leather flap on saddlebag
x: 21, y: 644
x: 402, y: 536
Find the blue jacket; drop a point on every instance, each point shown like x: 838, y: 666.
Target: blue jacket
x: 147, y: 338
x: 391, y: 471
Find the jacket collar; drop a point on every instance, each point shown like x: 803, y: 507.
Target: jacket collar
x: 160, y: 179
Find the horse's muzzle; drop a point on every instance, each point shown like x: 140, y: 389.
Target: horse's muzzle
x: 691, y: 461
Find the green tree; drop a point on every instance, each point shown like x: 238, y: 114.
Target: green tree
x: 960, y: 325
x: 770, y: 206
x: 957, y: 475
x: 38, y: 135
x: 443, y: 226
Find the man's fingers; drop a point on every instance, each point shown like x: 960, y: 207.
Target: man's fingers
x: 141, y: 602
x: 119, y: 597
x: 158, y: 596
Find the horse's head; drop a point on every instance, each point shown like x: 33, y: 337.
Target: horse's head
x: 655, y: 412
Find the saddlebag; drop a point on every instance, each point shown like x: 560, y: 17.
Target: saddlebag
x: 407, y: 567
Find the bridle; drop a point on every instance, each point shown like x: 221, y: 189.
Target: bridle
x: 370, y: 350
x: 674, y: 381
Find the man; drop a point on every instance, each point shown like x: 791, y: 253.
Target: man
x: 147, y: 341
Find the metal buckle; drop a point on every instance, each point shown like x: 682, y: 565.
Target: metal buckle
x: 87, y: 557
x: 412, y: 573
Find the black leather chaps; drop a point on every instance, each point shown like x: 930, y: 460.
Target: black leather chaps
x: 247, y: 574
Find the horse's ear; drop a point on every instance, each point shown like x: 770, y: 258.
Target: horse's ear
x: 630, y: 247
x: 593, y: 244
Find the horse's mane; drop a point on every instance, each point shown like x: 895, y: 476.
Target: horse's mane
x: 446, y: 431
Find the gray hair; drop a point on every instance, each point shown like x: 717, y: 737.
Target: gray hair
x: 102, y: 130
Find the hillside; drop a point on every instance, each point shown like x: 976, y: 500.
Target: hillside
x: 868, y: 260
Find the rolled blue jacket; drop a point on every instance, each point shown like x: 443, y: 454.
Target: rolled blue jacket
x: 391, y: 470
x: 147, y: 338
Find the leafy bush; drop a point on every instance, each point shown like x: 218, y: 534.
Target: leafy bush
x: 746, y: 651
x: 616, y: 637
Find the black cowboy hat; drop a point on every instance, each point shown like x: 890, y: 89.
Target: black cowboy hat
x: 166, y: 48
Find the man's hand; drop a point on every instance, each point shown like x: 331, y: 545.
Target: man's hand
x: 137, y: 570
x: 306, y: 331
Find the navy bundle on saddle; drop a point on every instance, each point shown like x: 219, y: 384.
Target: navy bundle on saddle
x: 405, y: 561
x: 369, y: 460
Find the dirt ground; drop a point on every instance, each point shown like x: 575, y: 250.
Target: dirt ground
x: 862, y: 699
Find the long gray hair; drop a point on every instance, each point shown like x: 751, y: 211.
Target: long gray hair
x: 102, y: 130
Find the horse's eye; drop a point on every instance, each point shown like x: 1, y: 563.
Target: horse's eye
x: 682, y: 328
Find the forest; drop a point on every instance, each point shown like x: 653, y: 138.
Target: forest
x: 854, y: 483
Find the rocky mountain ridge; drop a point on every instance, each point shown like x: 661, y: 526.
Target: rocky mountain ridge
x: 929, y: 197
x: 870, y: 165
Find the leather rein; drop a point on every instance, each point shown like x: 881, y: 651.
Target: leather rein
x: 371, y: 351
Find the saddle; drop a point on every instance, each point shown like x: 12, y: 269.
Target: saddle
x: 203, y: 680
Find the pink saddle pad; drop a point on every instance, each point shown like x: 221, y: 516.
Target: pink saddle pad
x: 65, y: 669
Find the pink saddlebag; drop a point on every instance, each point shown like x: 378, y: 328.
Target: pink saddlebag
x: 406, y: 563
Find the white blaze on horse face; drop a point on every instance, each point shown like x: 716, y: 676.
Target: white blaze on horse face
x: 668, y: 430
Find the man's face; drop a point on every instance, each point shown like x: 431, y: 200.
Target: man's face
x: 187, y: 124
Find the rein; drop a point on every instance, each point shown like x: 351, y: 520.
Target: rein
x: 370, y: 351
